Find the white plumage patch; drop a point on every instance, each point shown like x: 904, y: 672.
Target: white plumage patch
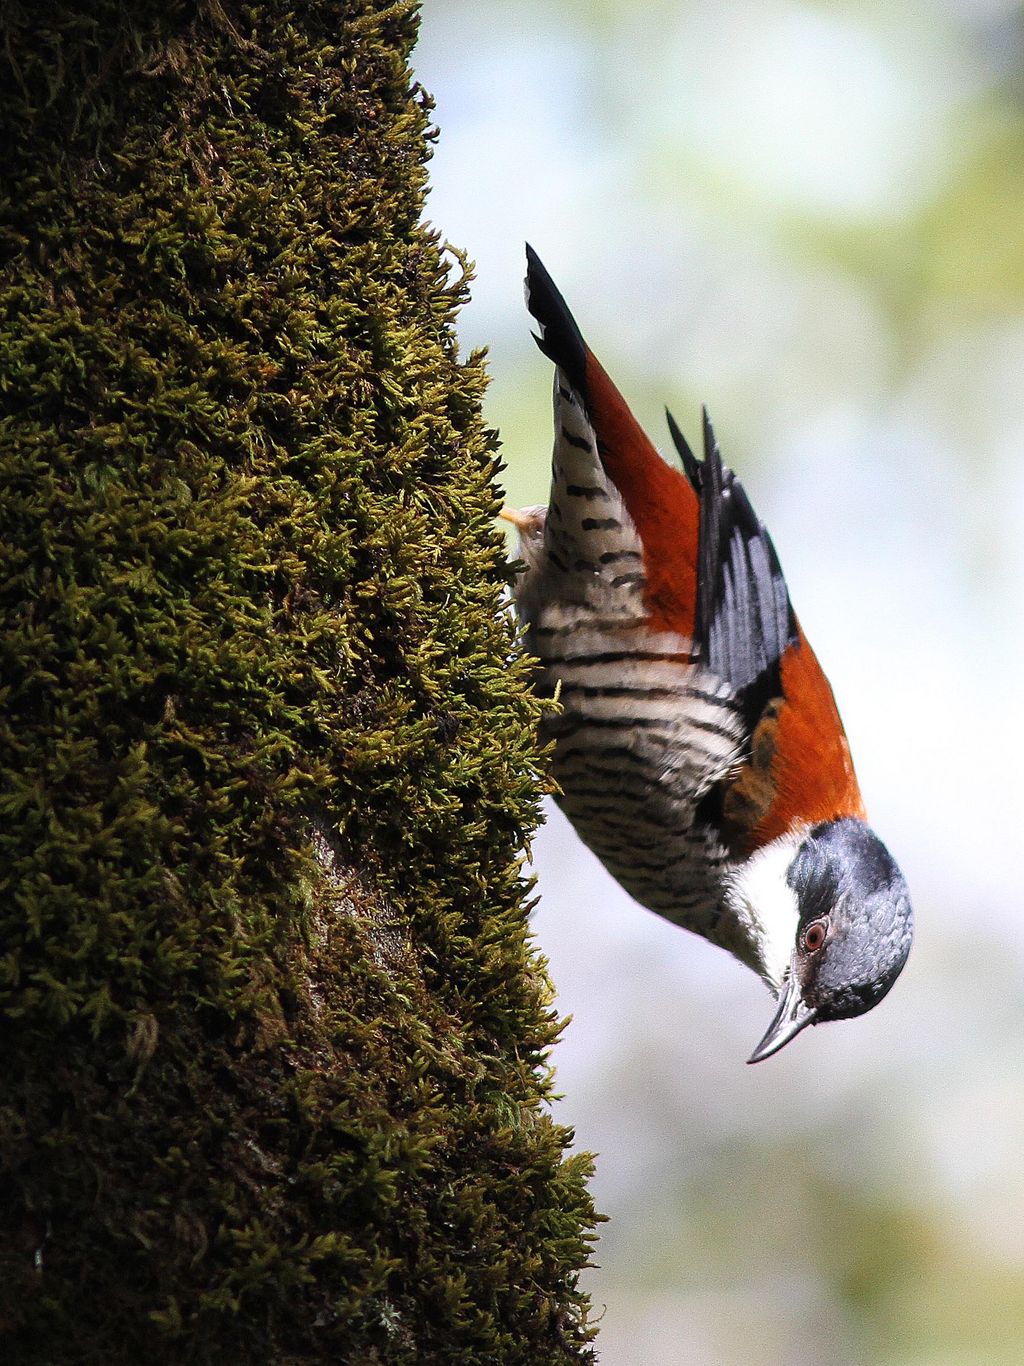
x: 766, y: 905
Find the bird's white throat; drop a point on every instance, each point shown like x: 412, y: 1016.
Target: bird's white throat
x: 766, y: 906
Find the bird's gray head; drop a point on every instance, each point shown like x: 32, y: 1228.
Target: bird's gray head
x: 853, y: 930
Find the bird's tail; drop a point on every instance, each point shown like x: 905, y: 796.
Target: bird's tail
x: 560, y: 339
x: 661, y: 502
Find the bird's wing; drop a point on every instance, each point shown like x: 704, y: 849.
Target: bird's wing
x: 798, y: 769
x: 661, y: 502
x: 744, y: 620
x: 691, y: 465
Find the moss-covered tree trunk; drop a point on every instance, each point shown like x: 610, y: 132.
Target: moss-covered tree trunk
x: 273, y: 1040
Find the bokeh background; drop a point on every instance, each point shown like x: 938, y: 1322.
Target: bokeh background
x: 810, y: 217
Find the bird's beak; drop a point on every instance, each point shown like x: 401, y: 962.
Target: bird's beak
x: 792, y: 1015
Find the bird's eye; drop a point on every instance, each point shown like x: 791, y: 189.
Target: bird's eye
x: 814, y: 936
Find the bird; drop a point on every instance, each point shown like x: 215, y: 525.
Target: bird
x: 695, y: 741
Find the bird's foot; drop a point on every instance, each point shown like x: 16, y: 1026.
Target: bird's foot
x: 522, y: 521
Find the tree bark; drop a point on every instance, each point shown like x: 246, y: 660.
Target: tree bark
x: 273, y: 1037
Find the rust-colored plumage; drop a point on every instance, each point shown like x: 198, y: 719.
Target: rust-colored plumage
x: 812, y: 771
x: 799, y: 771
x: 660, y: 501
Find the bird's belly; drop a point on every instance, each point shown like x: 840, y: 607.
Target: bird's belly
x: 641, y: 734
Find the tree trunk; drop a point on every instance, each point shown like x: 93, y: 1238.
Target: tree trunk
x: 273, y: 1038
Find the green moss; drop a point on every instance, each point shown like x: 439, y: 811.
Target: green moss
x: 273, y: 1036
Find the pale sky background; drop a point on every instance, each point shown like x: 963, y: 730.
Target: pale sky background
x: 810, y: 217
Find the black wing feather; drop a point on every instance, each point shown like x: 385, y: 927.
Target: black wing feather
x: 560, y: 339
x: 691, y: 465
x: 745, y: 621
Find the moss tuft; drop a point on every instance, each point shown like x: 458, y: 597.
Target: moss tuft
x: 274, y: 1038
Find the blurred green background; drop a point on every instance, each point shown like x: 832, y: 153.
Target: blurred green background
x: 810, y: 217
